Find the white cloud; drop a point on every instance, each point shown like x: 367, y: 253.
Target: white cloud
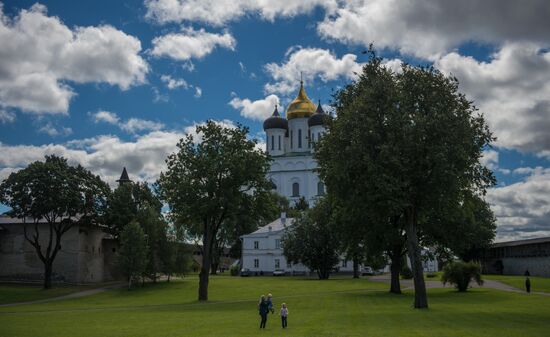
x: 426, y: 28
x: 512, y: 89
x: 220, y: 12
x: 39, y: 53
x: 523, y: 209
x: 256, y: 110
x: 490, y: 159
x: 313, y: 63
x: 173, y: 83
x: 144, y: 157
x: 6, y: 116
x: 198, y: 92
x: 190, y: 43
x: 132, y: 125
x: 53, y: 131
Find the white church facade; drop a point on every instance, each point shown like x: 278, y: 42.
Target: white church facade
x: 290, y: 143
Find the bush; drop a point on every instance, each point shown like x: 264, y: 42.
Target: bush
x: 406, y: 273
x: 461, y: 273
x: 234, y: 270
x: 431, y: 275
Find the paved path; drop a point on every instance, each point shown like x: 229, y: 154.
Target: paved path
x: 77, y: 294
x: 408, y: 284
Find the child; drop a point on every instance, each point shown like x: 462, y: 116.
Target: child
x: 284, y: 314
x: 270, y: 303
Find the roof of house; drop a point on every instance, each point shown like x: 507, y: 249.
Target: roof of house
x: 521, y: 242
x: 274, y: 226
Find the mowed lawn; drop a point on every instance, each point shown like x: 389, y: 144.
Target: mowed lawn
x: 336, y: 307
x: 537, y: 283
x: 12, y: 293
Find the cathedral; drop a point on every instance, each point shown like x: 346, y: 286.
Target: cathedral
x: 290, y: 142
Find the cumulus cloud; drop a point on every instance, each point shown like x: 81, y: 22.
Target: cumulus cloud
x: 512, y: 89
x: 173, y: 83
x: 191, y: 43
x: 313, y: 63
x: 220, y: 12
x: 256, y: 110
x: 132, y: 125
x: 523, y: 209
x: 39, y: 54
x: 198, y: 92
x: 144, y: 157
x: 54, y: 131
x: 426, y: 28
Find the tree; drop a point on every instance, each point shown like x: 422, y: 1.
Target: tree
x: 404, y: 149
x: 58, y: 193
x: 312, y: 240
x: 133, y: 252
x: 461, y: 273
x: 207, y: 182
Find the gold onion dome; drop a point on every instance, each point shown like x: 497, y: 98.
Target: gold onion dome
x: 301, y: 106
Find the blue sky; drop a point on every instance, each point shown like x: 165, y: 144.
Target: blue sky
x: 116, y: 83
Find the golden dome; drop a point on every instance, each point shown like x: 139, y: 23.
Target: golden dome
x: 301, y: 106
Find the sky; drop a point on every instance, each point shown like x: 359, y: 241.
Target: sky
x: 109, y: 84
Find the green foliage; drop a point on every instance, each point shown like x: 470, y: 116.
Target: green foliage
x: 312, y: 241
x: 211, y: 181
x: 58, y: 193
x: 133, y: 252
x: 403, y: 156
x: 406, y: 273
x: 461, y: 273
x: 234, y: 270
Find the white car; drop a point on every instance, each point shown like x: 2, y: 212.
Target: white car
x: 279, y: 272
x: 367, y: 271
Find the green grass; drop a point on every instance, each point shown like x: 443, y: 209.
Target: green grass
x: 537, y: 283
x: 12, y: 293
x: 336, y: 307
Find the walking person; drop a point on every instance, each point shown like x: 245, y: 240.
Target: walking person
x: 527, y: 284
x: 284, y: 315
x: 263, y: 308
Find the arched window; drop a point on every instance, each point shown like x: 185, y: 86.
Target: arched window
x: 309, y: 138
x: 273, y: 142
x: 295, y: 190
x: 299, y: 138
x: 279, y: 142
x: 291, y: 139
x: 320, y: 188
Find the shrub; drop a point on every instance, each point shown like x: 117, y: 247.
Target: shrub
x: 461, y: 273
x: 431, y: 275
x: 406, y: 273
x: 234, y: 270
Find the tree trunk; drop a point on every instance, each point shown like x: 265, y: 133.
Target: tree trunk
x: 205, y: 269
x: 355, y: 267
x: 48, y: 274
x: 420, y: 296
x: 129, y: 282
x: 214, y: 268
x: 395, y: 268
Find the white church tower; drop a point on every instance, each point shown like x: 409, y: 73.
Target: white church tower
x: 289, y: 141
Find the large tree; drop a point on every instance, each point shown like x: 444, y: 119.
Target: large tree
x: 411, y: 145
x: 312, y: 239
x: 57, y: 193
x: 132, y: 258
x: 207, y: 182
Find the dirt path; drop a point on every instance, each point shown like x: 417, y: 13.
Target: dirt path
x: 408, y: 284
x: 77, y: 294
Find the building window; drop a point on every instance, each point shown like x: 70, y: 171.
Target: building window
x: 256, y: 244
x: 277, y: 243
x: 295, y: 190
x: 299, y: 138
x: 344, y: 263
x: 291, y: 139
x: 279, y: 142
x: 312, y: 137
x: 289, y: 265
x: 272, y: 142
x: 256, y: 263
x: 320, y: 188
x: 309, y: 138
x: 277, y: 264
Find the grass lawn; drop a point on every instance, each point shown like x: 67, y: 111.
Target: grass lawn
x: 12, y: 293
x: 537, y: 283
x: 336, y: 307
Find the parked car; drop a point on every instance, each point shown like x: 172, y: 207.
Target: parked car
x: 279, y: 272
x: 367, y: 271
x: 246, y: 272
